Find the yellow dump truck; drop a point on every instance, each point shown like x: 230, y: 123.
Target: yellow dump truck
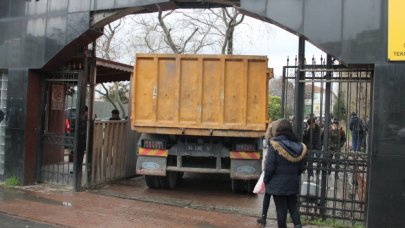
x: 199, y: 113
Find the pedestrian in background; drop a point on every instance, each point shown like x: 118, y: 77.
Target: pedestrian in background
x: 312, y: 139
x: 337, y: 139
x: 1, y: 115
x: 366, y: 128
x: 82, y: 147
x: 270, y: 132
x: 284, y: 164
x: 115, y: 115
x: 356, y: 127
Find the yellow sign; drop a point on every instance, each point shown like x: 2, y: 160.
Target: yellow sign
x: 396, y: 30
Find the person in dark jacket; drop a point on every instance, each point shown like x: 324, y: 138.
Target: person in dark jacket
x: 82, y: 147
x: 312, y: 135
x: 271, y: 131
x: 1, y: 115
x: 356, y: 127
x: 312, y: 139
x: 284, y: 165
x: 115, y: 115
x: 336, y: 140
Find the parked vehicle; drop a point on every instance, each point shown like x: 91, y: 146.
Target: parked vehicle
x: 70, y: 120
x: 200, y: 113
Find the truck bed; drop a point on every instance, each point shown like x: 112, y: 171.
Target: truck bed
x: 219, y: 95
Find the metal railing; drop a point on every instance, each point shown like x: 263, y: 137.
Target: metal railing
x: 335, y: 183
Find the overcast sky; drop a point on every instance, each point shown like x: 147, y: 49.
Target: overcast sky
x: 276, y: 43
x: 253, y: 37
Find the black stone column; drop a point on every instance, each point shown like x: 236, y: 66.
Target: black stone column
x: 15, y: 124
x: 386, y: 181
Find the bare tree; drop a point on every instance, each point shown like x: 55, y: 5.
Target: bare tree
x: 106, y: 48
x: 116, y: 92
x: 186, y: 31
x: 176, y: 48
x: 231, y: 18
x: 164, y: 34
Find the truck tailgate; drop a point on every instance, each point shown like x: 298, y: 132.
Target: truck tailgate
x: 200, y: 94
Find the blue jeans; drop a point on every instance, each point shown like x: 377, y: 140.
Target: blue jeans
x: 356, y: 141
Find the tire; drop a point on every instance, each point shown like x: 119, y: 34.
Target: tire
x: 170, y: 180
x: 237, y: 186
x: 180, y: 177
x: 251, y: 185
x: 152, y: 181
x: 243, y: 186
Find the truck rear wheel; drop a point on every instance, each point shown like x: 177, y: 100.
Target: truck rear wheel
x: 152, y: 181
x: 237, y: 186
x: 243, y: 186
x: 251, y: 185
x: 170, y: 180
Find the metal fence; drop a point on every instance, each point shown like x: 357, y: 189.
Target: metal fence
x: 58, y: 126
x: 335, y: 129
x: 74, y: 150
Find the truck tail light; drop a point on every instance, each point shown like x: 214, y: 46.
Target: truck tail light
x: 154, y: 144
x: 245, y: 147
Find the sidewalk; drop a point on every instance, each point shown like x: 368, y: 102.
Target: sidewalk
x: 64, y: 208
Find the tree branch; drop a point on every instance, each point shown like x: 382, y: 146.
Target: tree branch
x: 167, y: 14
x: 167, y: 35
x: 209, y: 24
x: 227, y: 12
x: 240, y: 20
x: 224, y: 18
x: 188, y: 39
x: 106, y: 95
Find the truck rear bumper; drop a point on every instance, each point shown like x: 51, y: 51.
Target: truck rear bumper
x: 197, y: 170
x: 240, y: 169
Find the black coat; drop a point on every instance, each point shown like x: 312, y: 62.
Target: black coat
x: 1, y: 115
x: 284, y: 165
x: 312, y: 137
x: 356, y: 125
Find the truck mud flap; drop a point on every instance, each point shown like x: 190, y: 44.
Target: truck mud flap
x: 149, y: 165
x: 246, y: 169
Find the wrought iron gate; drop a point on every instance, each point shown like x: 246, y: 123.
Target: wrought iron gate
x: 334, y: 185
x: 60, y: 126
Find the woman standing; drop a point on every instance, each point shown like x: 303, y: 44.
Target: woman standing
x: 270, y: 132
x: 284, y: 165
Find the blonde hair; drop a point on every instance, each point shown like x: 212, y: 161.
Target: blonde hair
x: 271, y: 129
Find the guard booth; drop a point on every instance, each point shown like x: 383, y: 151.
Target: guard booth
x: 65, y: 131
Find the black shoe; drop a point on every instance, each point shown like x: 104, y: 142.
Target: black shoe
x: 262, y: 220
